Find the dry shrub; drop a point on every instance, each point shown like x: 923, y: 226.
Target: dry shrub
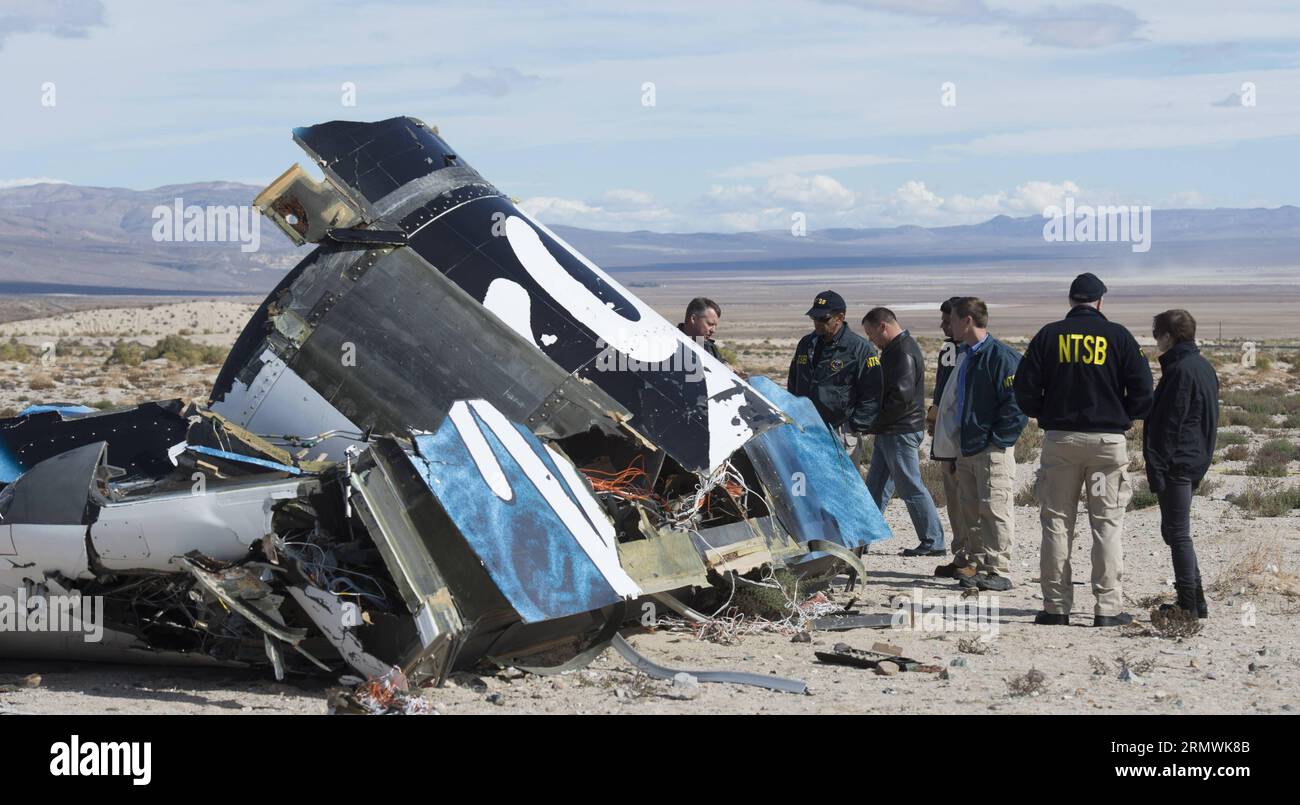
x: 1267, y: 499
x: 1237, y: 452
x: 932, y: 476
x: 1258, y: 570
x: 41, y: 382
x: 1175, y: 622
x: 1029, y: 444
x: 1031, y: 683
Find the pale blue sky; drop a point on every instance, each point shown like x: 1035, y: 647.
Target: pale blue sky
x: 762, y: 108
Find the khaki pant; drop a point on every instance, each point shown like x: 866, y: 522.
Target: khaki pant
x: 857, y: 448
x: 962, y: 555
x: 985, y: 497
x: 1097, y: 463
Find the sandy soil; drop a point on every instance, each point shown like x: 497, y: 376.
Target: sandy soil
x: 1245, y: 660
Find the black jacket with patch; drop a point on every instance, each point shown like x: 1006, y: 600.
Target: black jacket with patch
x: 1084, y: 373
x: 843, y: 381
x: 1179, y: 437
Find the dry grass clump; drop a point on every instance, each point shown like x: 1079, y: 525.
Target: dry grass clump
x: 1031, y: 683
x: 1257, y: 570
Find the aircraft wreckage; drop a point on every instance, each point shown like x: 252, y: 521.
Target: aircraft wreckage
x: 445, y: 436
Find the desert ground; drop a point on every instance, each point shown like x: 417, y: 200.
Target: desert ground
x: 1246, y: 526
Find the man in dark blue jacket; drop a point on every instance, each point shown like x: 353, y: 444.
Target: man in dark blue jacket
x: 977, y: 427
x: 1085, y: 379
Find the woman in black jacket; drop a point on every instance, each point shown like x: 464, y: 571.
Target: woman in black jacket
x: 1178, y: 444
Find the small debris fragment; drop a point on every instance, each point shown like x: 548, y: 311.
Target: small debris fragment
x: 32, y: 681
x: 886, y: 668
x: 685, y: 686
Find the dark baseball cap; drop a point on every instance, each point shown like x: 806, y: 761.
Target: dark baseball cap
x: 826, y: 303
x: 1087, y: 288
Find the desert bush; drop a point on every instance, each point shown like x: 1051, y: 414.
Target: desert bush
x: 1228, y: 438
x: 1249, y: 419
x: 1263, y: 363
x: 1264, y: 499
x: 1238, y: 452
x: 1032, y: 683
x: 1271, y: 400
x: 1208, y: 486
x: 1257, y: 569
x: 179, y: 350
x: 14, y: 351
x: 41, y: 382
x: 1143, y: 497
x: 1272, y: 458
x: 125, y: 353
x: 932, y: 476
x: 1029, y: 444
x: 1025, y: 495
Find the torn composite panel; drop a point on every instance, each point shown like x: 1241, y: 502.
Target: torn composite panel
x: 524, y: 512
x: 137, y: 437
x: 417, y: 315
x: 816, y: 490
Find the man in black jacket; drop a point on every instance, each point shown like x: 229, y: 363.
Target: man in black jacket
x: 899, y: 430
x: 1178, y: 444
x: 1086, y: 380
x: 839, y: 371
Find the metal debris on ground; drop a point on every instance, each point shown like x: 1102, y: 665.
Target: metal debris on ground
x: 425, y: 507
x: 389, y: 694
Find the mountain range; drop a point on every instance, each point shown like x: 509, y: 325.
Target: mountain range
x: 73, y: 239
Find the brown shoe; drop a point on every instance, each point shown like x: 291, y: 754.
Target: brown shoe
x: 965, y: 574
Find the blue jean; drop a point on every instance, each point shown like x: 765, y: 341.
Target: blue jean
x: 896, y: 466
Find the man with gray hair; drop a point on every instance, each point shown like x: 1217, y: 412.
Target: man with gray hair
x: 701, y: 322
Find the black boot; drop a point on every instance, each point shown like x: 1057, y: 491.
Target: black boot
x: 1202, y: 608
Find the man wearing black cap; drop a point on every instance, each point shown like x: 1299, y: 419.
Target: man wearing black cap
x: 1086, y: 380
x: 839, y: 371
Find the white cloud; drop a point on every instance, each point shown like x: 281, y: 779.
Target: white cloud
x: 618, y: 210
x: 914, y: 203
x: 818, y: 192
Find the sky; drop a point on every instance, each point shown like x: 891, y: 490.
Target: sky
x: 683, y: 116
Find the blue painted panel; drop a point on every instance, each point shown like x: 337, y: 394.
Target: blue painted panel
x: 240, y: 457
x: 62, y: 409
x: 528, y: 550
x: 835, y: 504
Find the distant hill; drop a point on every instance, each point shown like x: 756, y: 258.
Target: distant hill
x: 59, y: 237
